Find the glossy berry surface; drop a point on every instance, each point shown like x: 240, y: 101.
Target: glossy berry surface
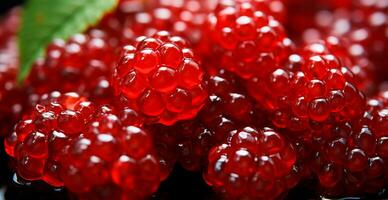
x: 252, y: 164
x: 246, y: 37
x: 352, y: 161
x: 201, y: 99
x: 315, y: 87
x: 68, y: 141
x: 53, y: 115
x: 161, y: 78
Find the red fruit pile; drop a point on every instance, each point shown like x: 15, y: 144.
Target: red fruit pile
x: 198, y: 83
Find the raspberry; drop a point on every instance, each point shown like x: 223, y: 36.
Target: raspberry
x: 161, y: 78
x: 313, y: 89
x: 252, y: 164
x: 81, y: 64
x: 244, y: 35
x: 28, y: 144
x: 67, y: 141
x: 351, y: 160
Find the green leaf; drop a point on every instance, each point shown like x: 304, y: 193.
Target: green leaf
x: 44, y: 20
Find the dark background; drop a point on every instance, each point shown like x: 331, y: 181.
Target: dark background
x: 6, y: 4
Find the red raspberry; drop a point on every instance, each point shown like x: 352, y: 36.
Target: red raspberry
x: 351, y: 160
x: 244, y: 35
x: 161, y: 78
x: 314, y: 88
x: 55, y: 116
x: 67, y: 141
x: 81, y: 64
x: 252, y: 164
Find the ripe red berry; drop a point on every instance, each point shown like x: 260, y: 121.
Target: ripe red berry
x: 51, y: 118
x: 351, y: 161
x: 252, y: 164
x: 161, y: 78
x: 312, y: 89
x: 244, y: 35
x: 68, y: 141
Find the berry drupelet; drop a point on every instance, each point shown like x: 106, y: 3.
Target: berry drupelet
x: 82, y: 64
x: 161, y: 78
x: 253, y: 164
x: 68, y: 141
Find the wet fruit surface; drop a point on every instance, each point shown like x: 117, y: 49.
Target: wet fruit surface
x: 201, y: 99
x: 160, y: 77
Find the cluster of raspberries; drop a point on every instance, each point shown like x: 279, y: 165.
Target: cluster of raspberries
x: 259, y: 96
